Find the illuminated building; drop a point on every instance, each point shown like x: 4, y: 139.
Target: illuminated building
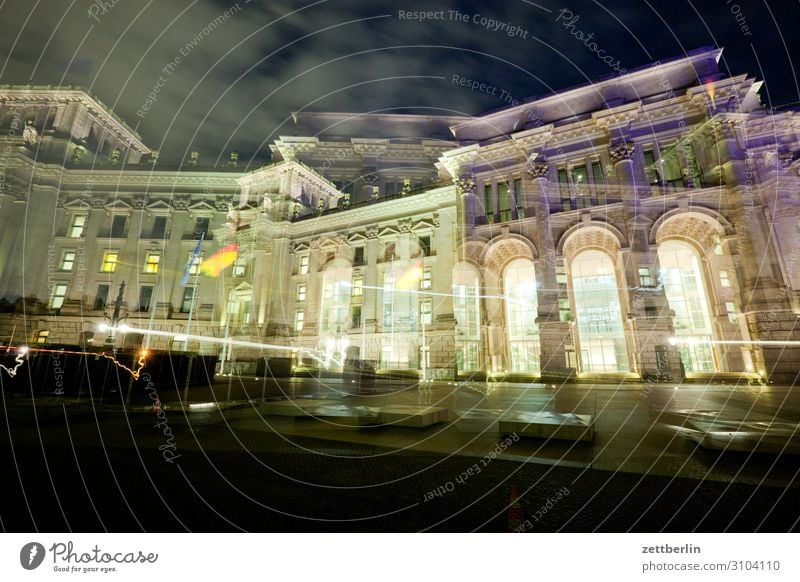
x: 645, y: 222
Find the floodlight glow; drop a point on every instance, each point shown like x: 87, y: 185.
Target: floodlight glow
x: 102, y: 327
x: 124, y: 328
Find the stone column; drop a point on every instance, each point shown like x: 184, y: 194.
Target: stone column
x: 554, y: 334
x: 370, y: 310
x: 465, y: 188
x: 261, y: 270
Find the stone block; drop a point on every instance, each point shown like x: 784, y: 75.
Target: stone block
x: 412, y: 416
x: 548, y: 425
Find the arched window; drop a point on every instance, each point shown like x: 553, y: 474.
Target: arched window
x: 683, y: 286
x: 467, y: 311
x: 334, y: 312
x: 598, y: 313
x: 519, y: 285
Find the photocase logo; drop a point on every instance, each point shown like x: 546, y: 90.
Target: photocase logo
x: 31, y: 555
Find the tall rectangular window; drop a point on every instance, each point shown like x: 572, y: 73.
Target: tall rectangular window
x: 489, y: 200
x: 504, y: 199
x: 425, y: 281
x: 58, y: 295
x: 724, y: 279
x: 194, y: 267
x: 118, y: 226
x: 425, y: 245
x: 188, y: 298
x: 358, y: 256
x: 110, y: 260
x: 645, y: 277
x: 426, y: 311
x: 301, y: 292
x: 152, y: 262
x: 357, y: 287
x: 240, y: 266
x: 563, y: 188
x: 101, y: 298
x: 201, y: 225
x: 299, y: 317
x: 304, y: 265
x: 580, y: 179
x: 159, y: 227
x: 355, y: 319
x: 76, y: 229
x: 67, y: 261
x: 145, y: 295
x: 730, y: 307
x: 650, y: 167
x: 597, y: 173
x: 519, y: 198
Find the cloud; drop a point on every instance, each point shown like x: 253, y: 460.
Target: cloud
x: 240, y: 77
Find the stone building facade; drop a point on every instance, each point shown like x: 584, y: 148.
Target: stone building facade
x: 642, y: 223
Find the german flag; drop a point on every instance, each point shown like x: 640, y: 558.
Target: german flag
x: 224, y: 257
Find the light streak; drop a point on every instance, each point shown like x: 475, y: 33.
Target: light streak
x: 22, y: 351
x: 675, y: 340
x: 222, y: 341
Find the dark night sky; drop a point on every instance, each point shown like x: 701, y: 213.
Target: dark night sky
x: 236, y: 87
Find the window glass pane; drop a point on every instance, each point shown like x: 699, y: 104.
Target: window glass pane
x: 489, y: 201
x: 78, y: 224
x: 598, y: 313
x: 118, y: 226
x: 145, y: 295
x: 504, y: 199
x: 521, y: 312
x: 109, y: 262
x: 159, y: 227
x: 686, y: 296
x: 466, y: 309
x: 102, y: 297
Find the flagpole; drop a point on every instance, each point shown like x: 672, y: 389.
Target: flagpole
x: 194, y: 293
x: 153, y: 308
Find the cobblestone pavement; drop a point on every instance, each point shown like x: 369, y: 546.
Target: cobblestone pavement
x: 90, y: 467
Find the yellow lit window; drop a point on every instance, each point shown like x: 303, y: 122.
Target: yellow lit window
x: 110, y: 260
x: 152, y: 262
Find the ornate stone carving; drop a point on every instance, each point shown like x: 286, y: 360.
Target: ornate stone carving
x: 29, y: 135
x: 465, y: 184
x: 435, y: 219
x: 404, y: 225
x: 621, y: 151
x: 372, y: 232
x: 537, y: 166
x: 181, y: 201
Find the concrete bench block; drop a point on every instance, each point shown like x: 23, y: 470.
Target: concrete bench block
x: 548, y: 425
x: 412, y: 416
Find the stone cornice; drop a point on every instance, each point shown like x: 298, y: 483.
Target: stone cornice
x: 12, y: 94
x: 384, y: 212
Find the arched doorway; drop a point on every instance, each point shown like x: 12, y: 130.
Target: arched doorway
x: 519, y: 289
x: 682, y: 276
x: 598, y: 313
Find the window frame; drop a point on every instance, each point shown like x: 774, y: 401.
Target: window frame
x: 107, y: 265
